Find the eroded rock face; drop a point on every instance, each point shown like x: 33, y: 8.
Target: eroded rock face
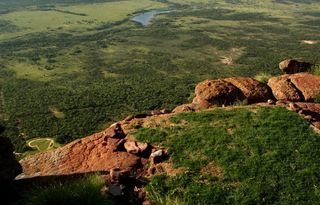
x: 291, y: 66
x: 218, y: 92
x: 9, y: 166
x: 253, y: 90
x: 99, y: 152
x: 296, y: 87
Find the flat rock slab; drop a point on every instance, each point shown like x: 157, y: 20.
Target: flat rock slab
x: 90, y: 154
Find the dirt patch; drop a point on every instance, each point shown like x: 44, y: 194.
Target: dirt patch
x: 167, y: 168
x: 226, y: 60
x: 230, y: 131
x: 213, y: 169
x: 232, y: 55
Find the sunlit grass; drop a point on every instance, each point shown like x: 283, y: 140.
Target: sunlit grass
x: 258, y: 152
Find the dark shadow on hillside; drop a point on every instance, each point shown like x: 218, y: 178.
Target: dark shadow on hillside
x: 15, y: 193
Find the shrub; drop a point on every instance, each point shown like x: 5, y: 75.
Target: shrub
x: 262, y: 77
x: 316, y: 70
x: 317, y: 100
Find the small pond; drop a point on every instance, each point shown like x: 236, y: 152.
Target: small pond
x: 146, y: 17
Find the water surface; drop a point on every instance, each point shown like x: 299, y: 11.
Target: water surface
x: 146, y: 17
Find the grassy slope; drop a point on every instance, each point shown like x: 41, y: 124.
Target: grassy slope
x: 97, y: 72
x: 79, y: 192
x: 238, y: 156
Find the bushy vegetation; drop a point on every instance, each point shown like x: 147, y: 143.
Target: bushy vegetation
x: 239, y: 156
x: 70, y: 80
x: 84, y: 191
x: 316, y: 70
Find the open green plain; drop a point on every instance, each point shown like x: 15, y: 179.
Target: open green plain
x: 70, y: 68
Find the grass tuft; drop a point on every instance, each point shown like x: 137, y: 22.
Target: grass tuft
x: 263, y: 77
x: 81, y: 192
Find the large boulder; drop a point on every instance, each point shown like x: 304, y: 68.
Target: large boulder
x: 9, y: 166
x: 218, y: 92
x: 253, y: 90
x: 295, y: 87
x: 283, y: 89
x: 291, y: 66
x: 308, y: 84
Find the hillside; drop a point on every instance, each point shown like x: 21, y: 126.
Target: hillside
x: 200, y: 153
x: 70, y: 68
x: 159, y: 102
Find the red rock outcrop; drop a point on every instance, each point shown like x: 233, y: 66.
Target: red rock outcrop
x: 9, y: 166
x: 230, y: 90
x: 218, y: 92
x: 296, y: 87
x: 291, y: 66
x: 283, y: 89
x: 253, y: 90
x: 99, y: 152
x: 307, y: 84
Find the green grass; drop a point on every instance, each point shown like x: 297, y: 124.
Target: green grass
x: 316, y: 70
x: 43, y: 143
x: 317, y: 100
x: 238, y: 156
x: 84, y: 191
x: 36, y: 145
x: 262, y: 77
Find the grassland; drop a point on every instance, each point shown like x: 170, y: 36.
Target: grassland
x: 75, y: 18
x: 237, y: 156
x: 70, y: 69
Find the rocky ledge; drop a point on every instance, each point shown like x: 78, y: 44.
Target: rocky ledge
x: 100, y: 152
x: 299, y: 87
